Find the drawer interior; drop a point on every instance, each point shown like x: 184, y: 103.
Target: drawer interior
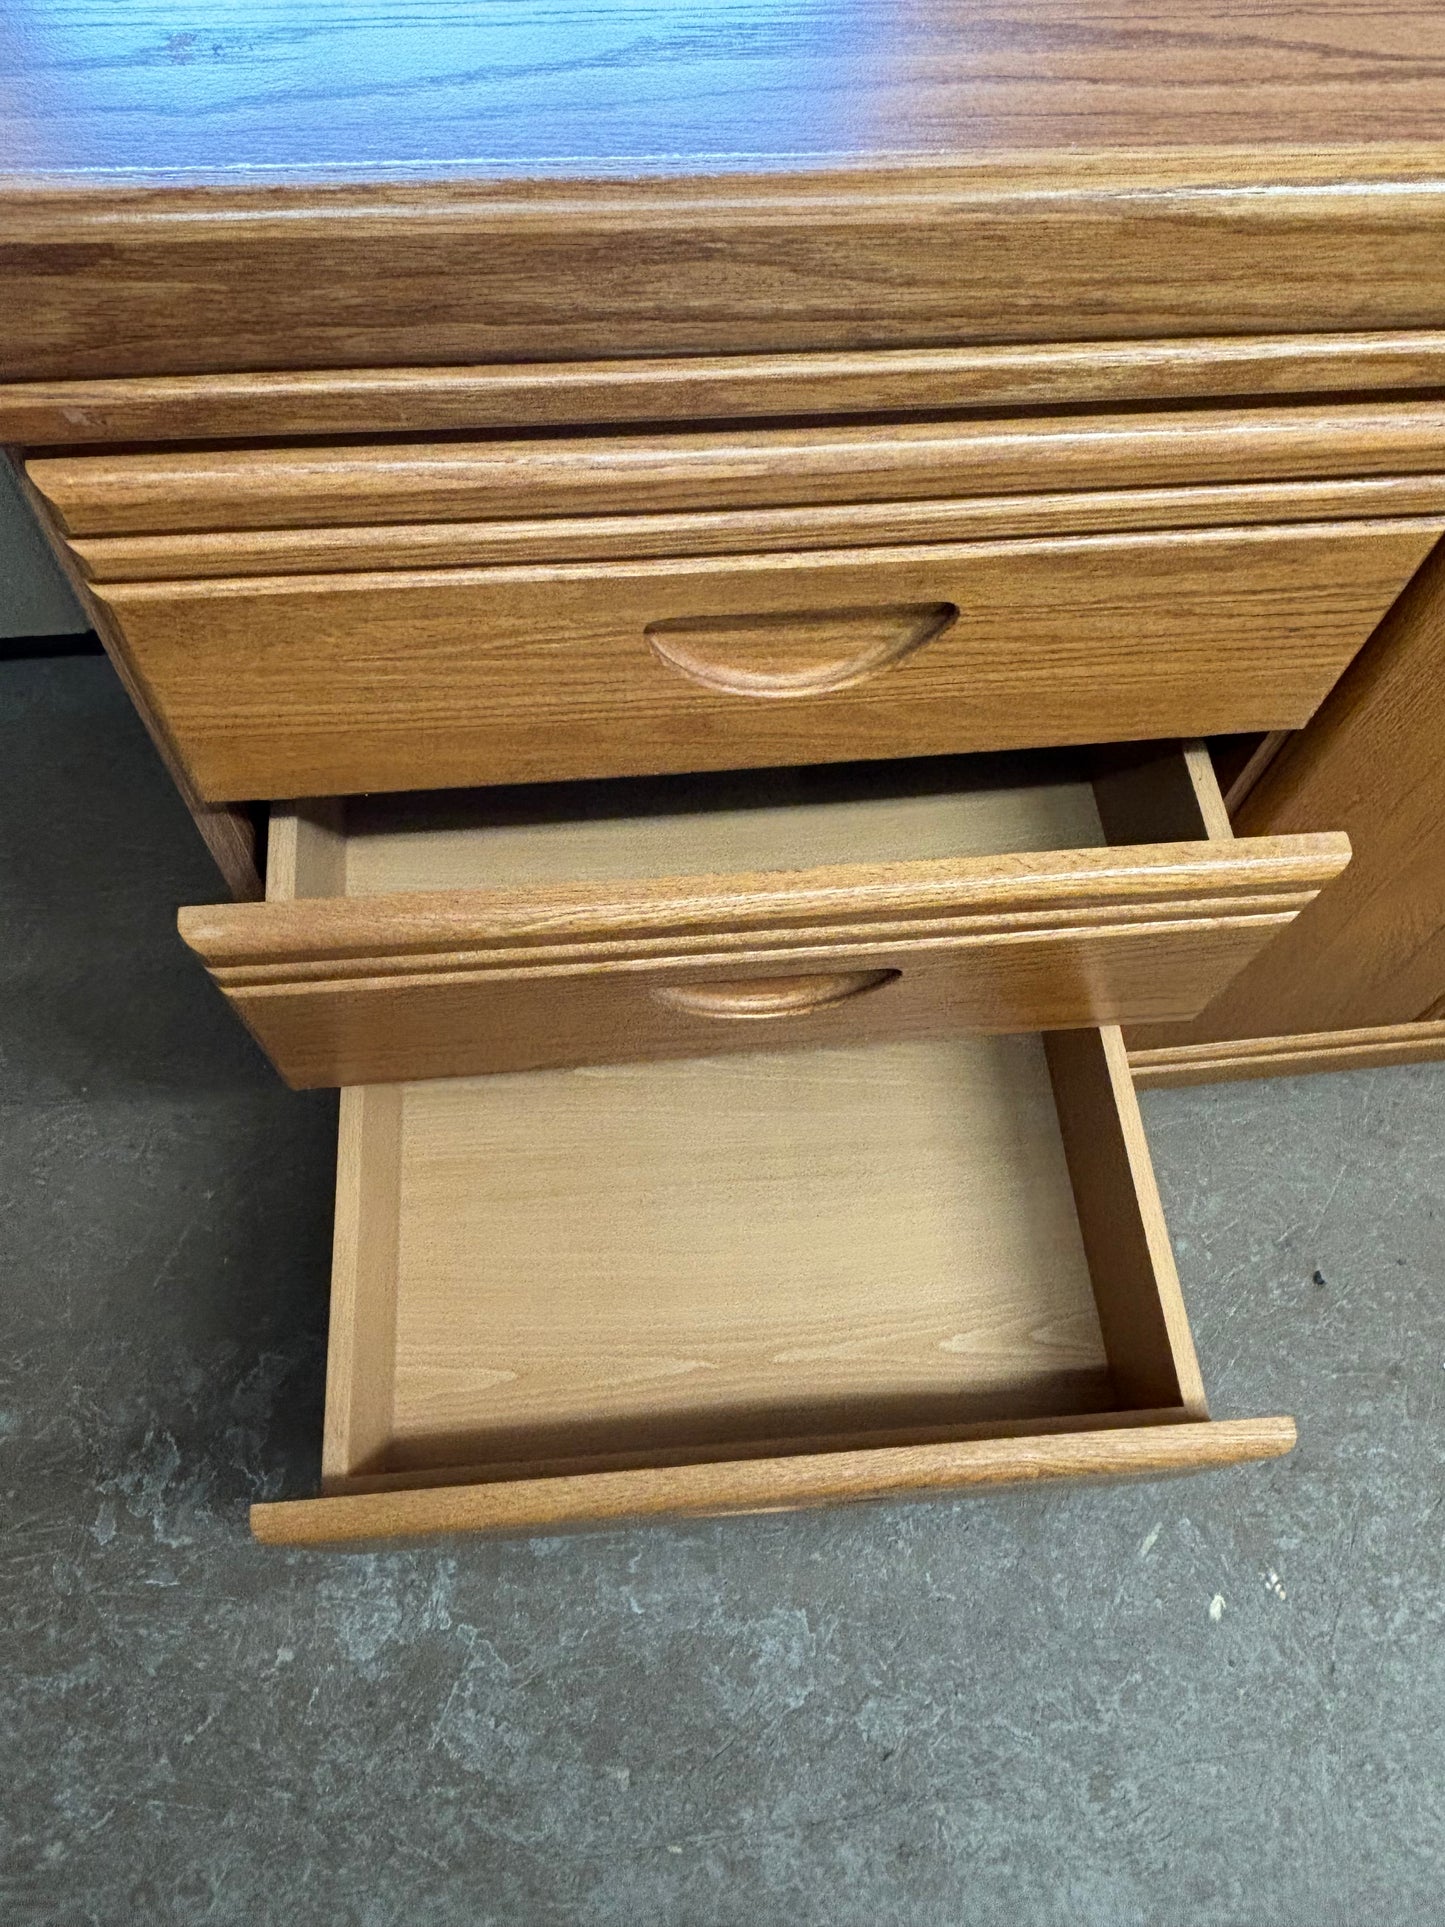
x: 657, y: 1266
x: 715, y: 824
x: 736, y: 822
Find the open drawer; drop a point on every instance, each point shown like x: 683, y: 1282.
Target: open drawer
x: 750, y: 1283
x: 453, y: 934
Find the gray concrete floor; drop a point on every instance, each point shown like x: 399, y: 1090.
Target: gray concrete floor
x: 1017, y: 1710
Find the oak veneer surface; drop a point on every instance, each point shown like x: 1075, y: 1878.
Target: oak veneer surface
x: 112, y: 88
x: 815, y: 1246
x: 361, y: 1348
x: 1053, y: 250
x: 1121, y: 1221
x: 239, y: 489
x: 453, y: 183
x: 711, y: 388
x: 1039, y: 1455
x: 1371, y: 1046
x: 587, y: 538
x: 1371, y: 951
x: 382, y: 1011
x: 416, y: 937
x: 330, y: 685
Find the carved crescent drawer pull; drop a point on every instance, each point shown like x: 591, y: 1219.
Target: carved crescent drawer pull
x: 805, y: 653
x: 755, y: 997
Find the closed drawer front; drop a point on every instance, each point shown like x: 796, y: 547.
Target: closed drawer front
x: 781, y: 1280
x: 501, y: 931
x: 335, y: 684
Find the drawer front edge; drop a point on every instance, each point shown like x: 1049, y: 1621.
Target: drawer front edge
x: 766, y: 1485
x: 330, y: 685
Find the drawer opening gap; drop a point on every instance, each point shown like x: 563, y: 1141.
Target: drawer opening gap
x: 792, y: 818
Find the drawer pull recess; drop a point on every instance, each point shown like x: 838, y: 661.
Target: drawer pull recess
x: 796, y: 654
x: 773, y: 996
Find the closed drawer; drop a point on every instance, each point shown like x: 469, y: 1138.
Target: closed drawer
x: 750, y: 1284
x: 331, y: 684
x: 452, y: 934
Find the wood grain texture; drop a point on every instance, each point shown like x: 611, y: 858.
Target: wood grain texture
x: 109, y: 90
x: 500, y: 675
x: 929, y: 1302
x: 1373, y: 952
x: 361, y: 1345
x: 709, y: 388
x: 433, y: 545
x: 654, y: 1456
x: 763, y: 999
x: 565, y: 921
x: 741, y: 177
x: 1136, y: 1283
x: 813, y: 1240
x: 558, y: 971
x: 920, y: 1283
x: 1331, y: 1050
x: 330, y: 1031
x: 464, y: 480
x: 742, y: 1486
x: 111, y: 280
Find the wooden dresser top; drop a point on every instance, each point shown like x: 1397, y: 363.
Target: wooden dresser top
x: 258, y: 91
x: 264, y: 184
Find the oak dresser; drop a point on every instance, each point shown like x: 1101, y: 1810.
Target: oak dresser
x: 764, y: 608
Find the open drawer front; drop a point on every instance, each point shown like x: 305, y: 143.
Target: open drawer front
x: 748, y: 1283
x: 499, y: 930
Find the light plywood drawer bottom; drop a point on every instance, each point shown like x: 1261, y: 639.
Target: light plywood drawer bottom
x: 742, y: 1283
